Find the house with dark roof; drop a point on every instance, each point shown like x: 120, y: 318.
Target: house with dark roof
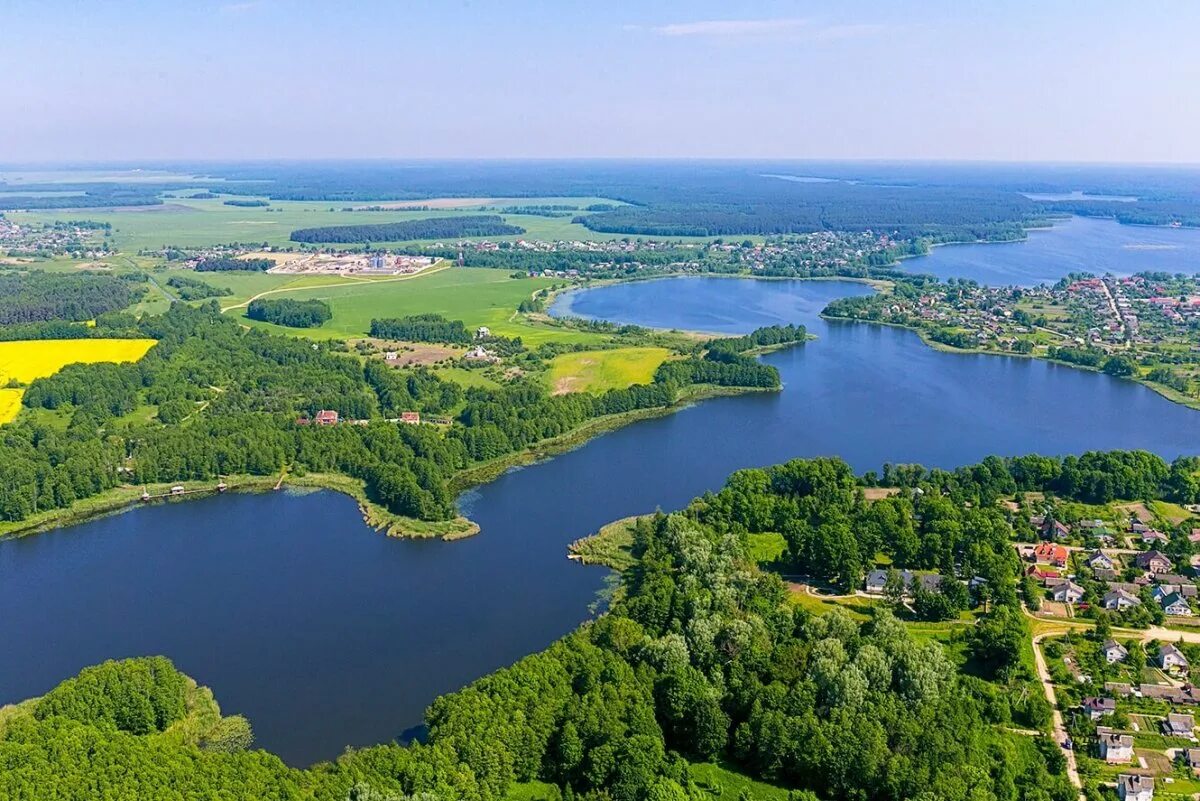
x: 1175, y: 605
x: 1096, y: 707
x: 1115, y: 748
x: 1154, y: 561
x: 1179, y: 725
x: 1135, y: 787
x: 1114, y: 652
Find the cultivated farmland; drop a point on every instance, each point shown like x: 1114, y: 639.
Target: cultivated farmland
x: 25, y: 360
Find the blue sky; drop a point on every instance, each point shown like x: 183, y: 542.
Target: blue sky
x: 1057, y: 81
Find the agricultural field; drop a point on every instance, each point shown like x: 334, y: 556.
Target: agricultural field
x: 195, y: 223
x: 600, y: 370
x: 475, y: 296
x: 23, y: 361
x: 10, y: 404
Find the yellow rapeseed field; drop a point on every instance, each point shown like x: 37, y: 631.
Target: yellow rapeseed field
x: 26, y: 360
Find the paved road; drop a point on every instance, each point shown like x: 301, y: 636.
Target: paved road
x: 1059, y: 728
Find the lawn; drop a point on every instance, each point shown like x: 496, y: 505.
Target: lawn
x: 767, y: 546
x: 725, y: 784
x: 25, y: 360
x: 186, y: 222
x: 601, y: 370
x: 478, y: 297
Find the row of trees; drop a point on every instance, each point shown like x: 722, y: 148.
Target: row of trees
x: 431, y: 228
x: 290, y: 312
x: 220, y: 264
x: 422, y: 328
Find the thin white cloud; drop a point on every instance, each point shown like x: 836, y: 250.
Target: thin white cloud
x: 780, y: 27
x: 732, y: 27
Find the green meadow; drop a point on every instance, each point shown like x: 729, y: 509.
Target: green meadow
x: 478, y: 297
x: 194, y: 223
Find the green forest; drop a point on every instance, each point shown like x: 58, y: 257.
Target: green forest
x: 701, y: 657
x: 37, y: 296
x: 432, y: 228
x: 256, y: 386
x: 289, y: 312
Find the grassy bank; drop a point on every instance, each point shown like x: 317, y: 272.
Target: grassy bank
x: 490, y: 470
x: 127, y: 497
x: 610, y: 546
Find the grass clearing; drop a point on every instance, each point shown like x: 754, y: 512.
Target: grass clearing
x: 726, y: 784
x: 767, y: 547
x: 601, y: 370
x: 25, y: 360
x: 188, y: 222
x: 478, y: 297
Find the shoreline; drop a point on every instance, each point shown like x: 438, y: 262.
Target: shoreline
x: 1162, y: 390
x: 126, y: 498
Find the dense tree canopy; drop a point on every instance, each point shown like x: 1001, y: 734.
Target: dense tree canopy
x: 432, y: 228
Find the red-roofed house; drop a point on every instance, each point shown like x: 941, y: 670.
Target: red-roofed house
x: 326, y: 417
x: 1050, y: 553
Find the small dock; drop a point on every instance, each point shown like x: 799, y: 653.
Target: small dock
x: 179, y: 491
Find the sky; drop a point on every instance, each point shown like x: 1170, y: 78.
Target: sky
x: 291, y: 79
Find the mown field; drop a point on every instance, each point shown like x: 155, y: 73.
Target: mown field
x: 194, y: 223
x: 601, y: 370
x: 475, y: 296
x: 26, y: 360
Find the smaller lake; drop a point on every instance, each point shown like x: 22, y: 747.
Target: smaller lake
x: 1080, y: 244
x: 322, y: 632
x: 1077, y: 195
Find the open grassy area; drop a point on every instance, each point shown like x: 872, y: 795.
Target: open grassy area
x: 726, y: 784
x: 601, y: 370
x: 475, y: 296
x: 188, y: 222
x: 25, y: 360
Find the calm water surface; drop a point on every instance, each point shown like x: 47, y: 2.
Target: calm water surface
x: 1079, y: 244
x: 326, y: 634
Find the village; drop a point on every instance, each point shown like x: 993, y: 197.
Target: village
x: 80, y: 239
x: 1140, y: 326
x: 1123, y: 685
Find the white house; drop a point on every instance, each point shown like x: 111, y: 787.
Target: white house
x: 1115, y: 748
x: 1067, y: 592
x: 1114, y: 652
x: 1132, y: 787
x: 1099, y: 559
x: 1120, y: 599
x: 1175, y: 604
x: 1171, y: 658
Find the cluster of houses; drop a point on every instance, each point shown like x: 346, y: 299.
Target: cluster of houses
x: 330, y: 417
x: 1116, y: 747
x: 1050, y: 560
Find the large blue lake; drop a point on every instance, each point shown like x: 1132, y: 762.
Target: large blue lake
x: 325, y: 634
x: 1079, y: 244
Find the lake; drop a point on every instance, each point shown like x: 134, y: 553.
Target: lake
x: 1079, y: 244
x: 325, y: 634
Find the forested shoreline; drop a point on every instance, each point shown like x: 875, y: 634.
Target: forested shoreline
x: 702, y: 656
x: 247, y: 394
